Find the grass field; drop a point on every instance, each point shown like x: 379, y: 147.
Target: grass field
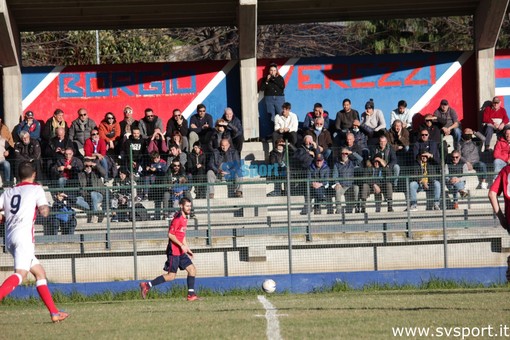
x: 341, y: 315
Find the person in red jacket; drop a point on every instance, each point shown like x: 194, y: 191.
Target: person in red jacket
x: 95, y: 149
x: 498, y: 187
x: 502, y: 152
x: 495, y: 119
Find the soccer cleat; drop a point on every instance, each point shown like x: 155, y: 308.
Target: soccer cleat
x: 60, y: 316
x: 144, y: 289
x: 193, y: 297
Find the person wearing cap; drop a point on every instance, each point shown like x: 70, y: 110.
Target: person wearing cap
x: 318, y: 176
x: 494, y: 119
x: 286, y: 125
x: 80, y: 129
x: 273, y: 86
x: 470, y: 154
x: 426, y: 179
x: 343, y: 175
x: 376, y: 181
x: 403, y: 114
x: 449, y: 120
x: 373, y: 123
x: 31, y: 125
x: 318, y: 111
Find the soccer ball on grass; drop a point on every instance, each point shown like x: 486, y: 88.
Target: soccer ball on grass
x: 269, y: 286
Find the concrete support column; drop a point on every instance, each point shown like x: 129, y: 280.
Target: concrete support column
x: 247, y: 25
x: 12, y: 95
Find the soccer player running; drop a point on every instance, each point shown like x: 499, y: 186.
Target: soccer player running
x: 498, y: 187
x: 178, y: 253
x: 20, y: 205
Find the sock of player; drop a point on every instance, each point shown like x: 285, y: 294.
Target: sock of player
x: 191, y: 285
x: 10, y: 284
x: 44, y: 293
x: 157, y: 281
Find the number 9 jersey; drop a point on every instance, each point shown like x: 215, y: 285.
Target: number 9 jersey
x: 20, y: 206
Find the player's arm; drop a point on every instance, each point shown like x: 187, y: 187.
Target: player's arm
x: 44, y: 210
x: 180, y: 244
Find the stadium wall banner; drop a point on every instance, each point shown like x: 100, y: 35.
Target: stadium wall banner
x: 420, y: 79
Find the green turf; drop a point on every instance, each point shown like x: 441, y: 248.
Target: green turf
x: 346, y: 315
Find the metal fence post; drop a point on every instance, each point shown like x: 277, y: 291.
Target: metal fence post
x: 133, y: 213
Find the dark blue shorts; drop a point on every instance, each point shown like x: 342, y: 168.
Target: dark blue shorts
x: 177, y: 262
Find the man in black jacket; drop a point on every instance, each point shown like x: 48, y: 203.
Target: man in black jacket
x: 225, y: 165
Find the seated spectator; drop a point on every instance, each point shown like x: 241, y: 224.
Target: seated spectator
x: 386, y: 152
x: 128, y: 123
x: 398, y: 137
x: 217, y: 135
x: 91, y: 189
x: 224, y: 164
x: 447, y: 117
x: 321, y: 137
x: 136, y: 147
x: 95, y: 149
x: 176, y: 154
x: 424, y: 144
x: 178, y: 139
x: 345, y: 120
x: 31, y: 125
x: 373, y: 123
x: 121, y: 196
x: 455, y: 182
x: 358, y: 154
x: 109, y: 131
x: 403, y: 114
x: 178, y: 187
x: 50, y: 127
x: 157, y: 143
x: 502, y: 152
x: 495, y: 119
x: 433, y: 127
x: 197, y: 168
x: 303, y: 157
x: 425, y: 171
x: 343, y: 173
x: 277, y: 158
x: 177, y: 123
x: 28, y: 150
x: 310, y: 117
x: 200, y: 126
x: 234, y: 129
x: 80, y: 130
x: 66, y: 169
x: 470, y: 154
x: 286, y: 125
x: 63, y: 217
x: 376, y: 181
x: 155, y: 172
x: 5, y: 165
x: 149, y: 124
x: 56, y: 148
x: 318, y: 176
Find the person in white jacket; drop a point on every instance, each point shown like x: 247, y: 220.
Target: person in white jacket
x: 286, y: 125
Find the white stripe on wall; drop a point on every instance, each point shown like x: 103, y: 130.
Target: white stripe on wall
x: 36, y: 92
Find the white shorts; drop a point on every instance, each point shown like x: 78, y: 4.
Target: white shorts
x: 24, y: 255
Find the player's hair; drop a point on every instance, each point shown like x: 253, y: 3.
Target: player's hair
x: 184, y: 200
x: 25, y: 171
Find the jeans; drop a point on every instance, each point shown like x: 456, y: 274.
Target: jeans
x: 454, y: 189
x: 62, y: 182
x: 96, y: 199
x: 498, y: 165
x: 415, y: 188
x: 456, y: 134
x: 274, y: 105
x: 6, y: 168
x: 481, y: 168
x: 104, y: 164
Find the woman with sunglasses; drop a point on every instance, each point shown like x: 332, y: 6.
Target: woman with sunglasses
x: 109, y: 131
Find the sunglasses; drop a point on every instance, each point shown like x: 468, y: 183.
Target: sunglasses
x: 150, y: 116
x: 94, y: 134
x: 83, y: 114
x: 455, y: 157
x: 110, y: 118
x: 424, y: 134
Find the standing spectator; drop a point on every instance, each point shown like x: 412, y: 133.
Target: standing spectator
x: 273, y: 86
x: 455, y: 181
x: 95, y: 149
x: 343, y: 173
x: 447, y: 117
x: 5, y: 165
x: 50, y: 127
x: 398, y: 137
x: 28, y: 150
x: 495, y: 119
x: 321, y: 137
x: 200, y: 126
x: 376, y: 182
x: 317, y: 112
x: 277, y: 160
x: 224, y: 164
x: 80, y: 129
x: 128, y: 123
x: 150, y: 123
x: 470, y: 154
x: 67, y: 169
x: 427, y: 180
x: 177, y: 123
x: 31, y: 125
x: 318, y: 175
x: 91, y: 191
x: 197, y: 167
x: 403, y: 114
x: 137, y: 146
x: 501, y: 185
x: 373, y: 123
x: 502, y: 152
x: 234, y: 129
x: 286, y: 125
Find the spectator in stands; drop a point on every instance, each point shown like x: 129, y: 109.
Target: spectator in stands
x: 343, y: 173
x: 56, y: 147
x: 31, y: 125
x: 137, y: 146
x: 448, y: 119
x: 273, y: 86
x: 304, y: 155
x: 502, y: 152
x: 318, y: 176
x: 455, y: 181
x: 177, y: 138
x: 277, y: 158
x: 109, y: 131
x: 177, y: 154
x: 376, y: 181
x: 318, y: 111
x: 178, y: 187
x: 28, y: 150
x: 321, y: 137
x: 6, y: 133
x: 218, y: 134
x: 286, y: 125
x: 426, y: 173
x: 234, y: 129
x: 430, y: 147
x: 80, y: 130
x: 357, y: 154
x: 403, y: 114
x: 373, y: 123
x: 95, y: 149
x: 470, y: 154
x: 63, y: 217
x: 200, y: 126
x: 386, y: 152
x: 150, y: 123
x: 224, y: 164
x: 155, y: 172
x: 398, y: 137
x: 5, y: 165
x: 157, y: 143
x: 433, y: 127
x: 91, y: 187
x: 50, y: 127
x: 128, y: 123
x: 177, y: 123
x: 66, y: 169
x: 197, y: 168
x: 121, y: 196
x: 346, y: 117
x: 495, y: 119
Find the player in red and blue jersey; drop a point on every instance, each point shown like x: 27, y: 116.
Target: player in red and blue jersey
x: 498, y: 187
x: 178, y: 253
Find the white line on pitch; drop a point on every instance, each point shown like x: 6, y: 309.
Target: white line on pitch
x: 273, y: 326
